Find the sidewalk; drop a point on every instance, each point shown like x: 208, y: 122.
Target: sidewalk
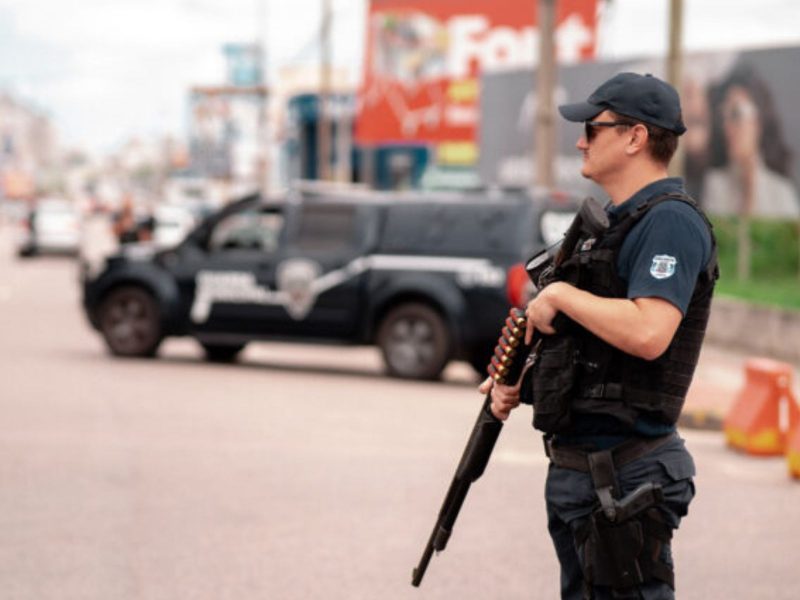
x: 717, y: 381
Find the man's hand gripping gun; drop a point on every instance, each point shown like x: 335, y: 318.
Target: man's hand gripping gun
x: 511, y: 358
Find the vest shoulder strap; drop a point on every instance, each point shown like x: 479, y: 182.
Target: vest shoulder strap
x: 634, y: 215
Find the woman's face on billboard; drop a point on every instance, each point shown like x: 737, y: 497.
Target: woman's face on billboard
x: 741, y: 124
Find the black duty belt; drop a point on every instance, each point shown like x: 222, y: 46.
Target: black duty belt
x: 570, y: 457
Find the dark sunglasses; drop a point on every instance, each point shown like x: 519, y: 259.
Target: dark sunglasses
x: 590, y: 127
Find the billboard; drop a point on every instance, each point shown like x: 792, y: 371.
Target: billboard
x: 741, y: 148
x: 424, y: 59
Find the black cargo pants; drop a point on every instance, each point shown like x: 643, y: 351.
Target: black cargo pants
x: 571, y: 498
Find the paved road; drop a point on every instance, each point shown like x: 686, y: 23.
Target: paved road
x: 300, y: 473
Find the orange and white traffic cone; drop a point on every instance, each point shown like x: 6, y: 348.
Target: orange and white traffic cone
x: 764, y: 410
x: 793, y: 452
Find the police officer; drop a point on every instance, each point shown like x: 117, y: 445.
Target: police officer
x: 620, y: 325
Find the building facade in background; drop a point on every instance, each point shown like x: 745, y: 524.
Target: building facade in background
x: 293, y: 124
x: 227, y: 123
x: 28, y: 149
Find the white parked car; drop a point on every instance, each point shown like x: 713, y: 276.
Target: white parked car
x: 52, y: 226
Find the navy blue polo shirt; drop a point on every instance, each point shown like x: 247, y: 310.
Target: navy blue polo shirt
x: 661, y: 257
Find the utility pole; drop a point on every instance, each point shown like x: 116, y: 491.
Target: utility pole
x: 675, y: 68
x: 262, y: 39
x: 344, y: 127
x: 323, y: 119
x: 544, y: 144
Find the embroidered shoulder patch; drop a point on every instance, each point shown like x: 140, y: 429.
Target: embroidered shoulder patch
x: 663, y: 266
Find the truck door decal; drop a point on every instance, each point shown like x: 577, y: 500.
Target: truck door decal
x: 299, y: 281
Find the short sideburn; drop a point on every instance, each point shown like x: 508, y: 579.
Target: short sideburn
x: 662, y: 143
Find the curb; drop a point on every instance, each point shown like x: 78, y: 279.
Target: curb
x: 701, y: 419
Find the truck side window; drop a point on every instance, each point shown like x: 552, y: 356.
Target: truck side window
x: 247, y: 230
x: 326, y: 228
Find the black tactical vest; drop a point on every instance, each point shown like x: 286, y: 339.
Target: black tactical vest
x: 579, y: 372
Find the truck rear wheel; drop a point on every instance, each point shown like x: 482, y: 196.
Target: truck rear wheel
x: 415, y: 342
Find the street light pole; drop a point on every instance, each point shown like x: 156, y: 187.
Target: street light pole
x: 262, y: 40
x: 544, y: 144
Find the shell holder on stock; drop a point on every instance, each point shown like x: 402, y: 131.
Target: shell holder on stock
x: 502, y: 357
x: 504, y: 347
x: 510, y: 352
x: 509, y: 337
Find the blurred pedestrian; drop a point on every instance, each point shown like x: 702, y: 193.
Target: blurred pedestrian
x: 129, y: 227
x: 124, y: 222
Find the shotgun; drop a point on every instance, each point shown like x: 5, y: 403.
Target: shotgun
x: 507, y: 364
x: 512, y: 357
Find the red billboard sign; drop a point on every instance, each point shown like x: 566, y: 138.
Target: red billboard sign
x: 424, y: 58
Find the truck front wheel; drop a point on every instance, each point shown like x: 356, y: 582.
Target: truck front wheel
x: 130, y: 322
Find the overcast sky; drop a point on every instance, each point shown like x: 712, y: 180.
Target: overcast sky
x: 106, y: 70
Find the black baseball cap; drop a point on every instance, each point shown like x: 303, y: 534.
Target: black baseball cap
x: 642, y: 97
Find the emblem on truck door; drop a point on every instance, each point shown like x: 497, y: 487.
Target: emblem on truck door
x: 296, y: 278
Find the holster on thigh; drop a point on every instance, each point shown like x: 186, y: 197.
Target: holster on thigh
x: 622, y: 540
x: 625, y: 554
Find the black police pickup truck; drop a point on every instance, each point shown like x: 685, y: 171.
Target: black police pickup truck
x: 426, y: 277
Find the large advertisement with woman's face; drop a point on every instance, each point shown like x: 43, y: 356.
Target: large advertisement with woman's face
x: 741, y: 153
x: 744, y: 164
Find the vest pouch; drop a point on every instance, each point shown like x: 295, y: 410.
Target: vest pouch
x: 553, y: 379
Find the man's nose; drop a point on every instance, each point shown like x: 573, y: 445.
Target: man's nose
x: 582, y: 143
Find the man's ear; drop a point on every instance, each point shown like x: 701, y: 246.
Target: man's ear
x: 638, y: 137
